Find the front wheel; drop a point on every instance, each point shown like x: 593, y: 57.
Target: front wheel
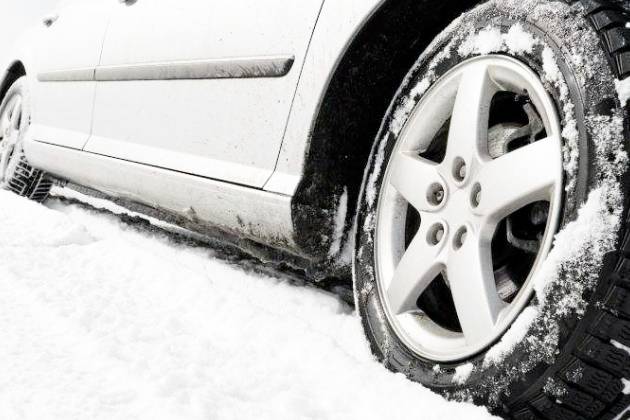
x: 490, y: 263
x: 15, y: 173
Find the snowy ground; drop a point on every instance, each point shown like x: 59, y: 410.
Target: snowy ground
x: 100, y: 319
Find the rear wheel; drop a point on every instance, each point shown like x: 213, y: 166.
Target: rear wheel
x: 488, y: 262
x: 15, y: 173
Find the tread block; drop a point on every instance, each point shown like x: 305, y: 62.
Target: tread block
x: 624, y: 265
x: 605, y: 19
x: 583, y: 403
x: 620, y: 407
x: 551, y: 410
x: 623, y: 64
x: 615, y: 361
x: 618, y: 300
x: 608, y: 327
x: 617, y: 39
x: 525, y: 414
x: 594, y: 381
x: 593, y: 6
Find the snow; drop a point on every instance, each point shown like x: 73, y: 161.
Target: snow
x: 490, y: 39
x: 102, y: 319
x: 518, y: 40
x: 486, y: 41
x: 340, y: 224
x: 623, y: 90
x: 513, y: 336
x: 462, y: 373
x: 570, y: 132
x: 550, y: 66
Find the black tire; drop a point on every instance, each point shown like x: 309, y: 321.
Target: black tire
x: 25, y: 181
x: 573, y: 360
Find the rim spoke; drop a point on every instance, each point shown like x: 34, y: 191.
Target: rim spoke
x: 5, y: 120
x: 16, y: 113
x: 521, y: 177
x: 418, y: 267
x: 5, y: 155
x: 10, y: 122
x: 469, y: 121
x: 474, y: 291
x: 413, y: 176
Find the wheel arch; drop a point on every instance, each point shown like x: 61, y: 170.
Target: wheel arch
x: 13, y: 72
x: 356, y: 99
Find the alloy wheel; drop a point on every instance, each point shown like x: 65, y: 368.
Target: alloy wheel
x: 468, y: 208
x: 10, y: 136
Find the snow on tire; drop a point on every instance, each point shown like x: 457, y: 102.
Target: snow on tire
x: 567, y: 353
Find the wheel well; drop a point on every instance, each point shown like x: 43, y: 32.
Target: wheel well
x: 354, y: 105
x: 14, y: 72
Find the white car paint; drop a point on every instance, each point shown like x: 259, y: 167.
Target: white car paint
x: 222, y: 129
x: 62, y: 112
x: 231, y: 150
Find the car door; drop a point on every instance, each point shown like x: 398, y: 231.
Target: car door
x: 201, y: 86
x: 67, y: 48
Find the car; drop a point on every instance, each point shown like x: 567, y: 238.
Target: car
x: 461, y: 163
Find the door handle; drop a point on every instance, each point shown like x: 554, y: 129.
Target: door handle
x: 49, y: 20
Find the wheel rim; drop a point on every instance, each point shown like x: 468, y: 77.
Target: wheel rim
x: 464, y: 200
x: 10, y: 130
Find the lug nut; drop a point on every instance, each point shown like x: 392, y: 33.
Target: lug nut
x: 436, y: 194
x: 460, y: 237
x: 459, y: 170
x: 439, y: 196
x: 436, y: 234
x: 475, y: 197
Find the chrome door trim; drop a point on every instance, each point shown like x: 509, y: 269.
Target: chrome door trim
x: 223, y: 68
x: 71, y: 75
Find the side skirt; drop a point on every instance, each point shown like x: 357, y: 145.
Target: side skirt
x: 256, y: 215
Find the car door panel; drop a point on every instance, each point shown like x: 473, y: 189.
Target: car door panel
x: 210, y: 97
x: 67, y: 52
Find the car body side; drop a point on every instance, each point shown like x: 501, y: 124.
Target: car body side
x: 358, y: 54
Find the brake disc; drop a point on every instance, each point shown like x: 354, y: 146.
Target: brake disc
x: 504, y: 137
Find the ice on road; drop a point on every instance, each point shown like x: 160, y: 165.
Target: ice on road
x: 100, y: 319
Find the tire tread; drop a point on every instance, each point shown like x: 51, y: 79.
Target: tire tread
x: 592, y: 379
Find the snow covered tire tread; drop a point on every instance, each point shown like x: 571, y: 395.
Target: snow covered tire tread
x: 23, y: 179
x: 597, y: 393
x: 30, y: 182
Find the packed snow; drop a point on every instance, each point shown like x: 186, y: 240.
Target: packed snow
x: 106, y: 319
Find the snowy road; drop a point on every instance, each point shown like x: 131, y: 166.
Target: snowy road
x: 103, y: 320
